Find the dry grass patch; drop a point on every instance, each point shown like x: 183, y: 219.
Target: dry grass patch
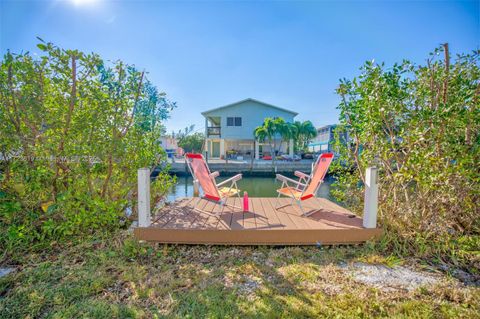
x: 124, y: 279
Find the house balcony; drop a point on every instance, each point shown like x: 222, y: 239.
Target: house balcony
x: 213, y: 131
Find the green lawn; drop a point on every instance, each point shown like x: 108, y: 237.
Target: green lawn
x: 122, y: 279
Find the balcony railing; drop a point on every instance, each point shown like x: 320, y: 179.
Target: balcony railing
x: 213, y: 131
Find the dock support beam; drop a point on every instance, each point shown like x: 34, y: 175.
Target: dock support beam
x: 144, y: 197
x: 371, y: 198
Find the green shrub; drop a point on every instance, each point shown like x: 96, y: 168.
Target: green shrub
x: 192, y: 142
x: 420, y: 125
x: 73, y: 132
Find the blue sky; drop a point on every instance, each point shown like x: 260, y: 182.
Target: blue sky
x: 206, y: 54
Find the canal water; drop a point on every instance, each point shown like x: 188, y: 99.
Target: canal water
x: 254, y: 185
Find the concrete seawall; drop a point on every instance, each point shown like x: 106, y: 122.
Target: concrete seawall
x: 257, y: 168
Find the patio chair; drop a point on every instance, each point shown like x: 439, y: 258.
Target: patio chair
x: 307, y: 185
x: 212, y: 191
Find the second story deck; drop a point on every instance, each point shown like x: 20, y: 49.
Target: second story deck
x: 239, y: 120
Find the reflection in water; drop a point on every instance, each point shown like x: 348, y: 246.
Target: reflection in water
x: 255, y: 186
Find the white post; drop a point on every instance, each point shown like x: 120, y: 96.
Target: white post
x: 257, y: 150
x: 208, y: 149
x: 371, y: 198
x: 143, y: 197
x: 222, y: 148
x: 290, y: 148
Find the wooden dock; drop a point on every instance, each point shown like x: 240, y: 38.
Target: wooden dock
x: 329, y: 223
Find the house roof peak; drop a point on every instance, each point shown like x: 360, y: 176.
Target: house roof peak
x: 250, y: 100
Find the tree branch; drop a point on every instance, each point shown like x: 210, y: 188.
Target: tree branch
x: 447, y: 70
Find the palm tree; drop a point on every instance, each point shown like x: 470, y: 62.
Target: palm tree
x: 288, y: 131
x: 298, y: 135
x: 305, y: 131
x: 281, y: 129
x: 300, y: 132
x: 309, y: 132
x: 294, y: 131
x: 267, y: 131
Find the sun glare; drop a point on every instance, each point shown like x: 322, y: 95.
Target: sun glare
x: 83, y: 2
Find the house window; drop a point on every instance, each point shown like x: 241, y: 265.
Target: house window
x: 234, y: 121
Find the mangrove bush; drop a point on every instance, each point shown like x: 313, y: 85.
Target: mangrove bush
x: 74, y: 129
x: 420, y: 124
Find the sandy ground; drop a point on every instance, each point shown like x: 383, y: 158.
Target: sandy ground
x: 386, y: 278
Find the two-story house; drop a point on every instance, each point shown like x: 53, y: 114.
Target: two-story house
x: 325, y: 138
x: 230, y: 129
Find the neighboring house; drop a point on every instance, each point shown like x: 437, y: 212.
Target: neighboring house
x: 229, y: 129
x: 169, y: 144
x: 325, y: 138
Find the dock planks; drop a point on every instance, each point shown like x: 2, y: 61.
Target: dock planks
x: 329, y: 223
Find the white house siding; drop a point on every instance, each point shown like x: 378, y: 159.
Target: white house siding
x: 325, y: 138
x: 321, y: 143
x: 252, y: 113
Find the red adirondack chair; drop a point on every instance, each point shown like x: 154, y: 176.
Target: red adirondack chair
x: 212, y: 191
x: 307, y: 185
